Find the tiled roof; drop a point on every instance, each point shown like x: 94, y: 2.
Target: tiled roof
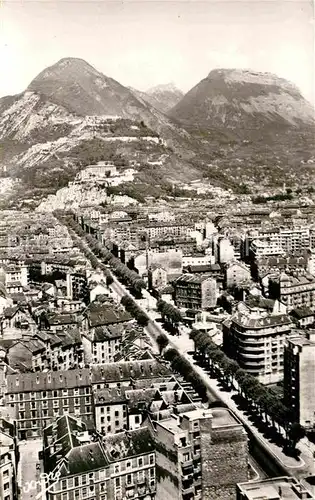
x: 128, y: 444
x: 249, y: 322
x: 106, y: 315
x: 45, y: 381
x: 146, y: 369
x: 302, y: 312
x: 9, y: 312
x: 109, y: 372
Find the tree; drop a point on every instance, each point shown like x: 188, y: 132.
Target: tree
x: 162, y: 342
x: 295, y: 434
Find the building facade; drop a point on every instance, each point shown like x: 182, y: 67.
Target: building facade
x: 299, y: 388
x: 195, y: 291
x: 256, y: 341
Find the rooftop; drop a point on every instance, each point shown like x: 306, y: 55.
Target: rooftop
x: 286, y: 488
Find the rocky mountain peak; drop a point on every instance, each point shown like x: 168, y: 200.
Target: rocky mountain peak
x: 244, y: 100
x: 164, y: 87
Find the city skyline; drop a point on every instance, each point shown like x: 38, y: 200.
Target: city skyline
x: 143, y: 44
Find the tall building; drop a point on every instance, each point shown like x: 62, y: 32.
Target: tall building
x: 195, y: 291
x: 299, y: 374
x: 200, y: 454
x: 7, y: 463
x: 256, y: 341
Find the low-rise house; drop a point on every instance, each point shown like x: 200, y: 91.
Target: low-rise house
x: 56, y: 322
x: 303, y: 317
x: 15, y: 318
x: 27, y: 355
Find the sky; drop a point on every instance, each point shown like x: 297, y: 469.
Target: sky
x: 145, y: 43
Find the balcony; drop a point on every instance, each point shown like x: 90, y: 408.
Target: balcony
x: 188, y: 491
x: 187, y: 464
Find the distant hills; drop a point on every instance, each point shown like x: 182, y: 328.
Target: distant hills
x: 232, y: 126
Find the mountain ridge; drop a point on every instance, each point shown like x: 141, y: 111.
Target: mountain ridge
x: 244, y: 100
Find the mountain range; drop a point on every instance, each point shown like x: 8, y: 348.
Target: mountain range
x: 71, y: 114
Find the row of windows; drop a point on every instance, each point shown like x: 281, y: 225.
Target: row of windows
x: 56, y: 402
x: 25, y: 396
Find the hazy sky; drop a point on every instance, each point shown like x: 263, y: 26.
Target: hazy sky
x: 144, y: 43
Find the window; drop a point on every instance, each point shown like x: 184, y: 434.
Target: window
x: 117, y: 482
x: 76, y: 481
x: 140, y: 476
x: 151, y: 459
x: 84, y: 492
x: 128, y: 465
x: 83, y: 479
x: 116, y: 413
x: 117, y: 468
x: 129, y: 479
x: 64, y: 484
x: 55, y: 394
x: 137, y: 419
x: 140, y: 462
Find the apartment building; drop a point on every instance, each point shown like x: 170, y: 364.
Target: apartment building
x: 77, y: 287
x: 236, y: 273
x: 255, y: 339
x: 199, y: 454
x: 102, y: 343
x: 299, y: 372
x: 294, y: 289
x: 39, y: 398
x: 278, y: 241
x: 158, y: 229
x: 116, y: 467
x: 277, y: 488
x: 10, y: 274
x: 195, y: 291
x: 120, y: 408
x: 7, y: 463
